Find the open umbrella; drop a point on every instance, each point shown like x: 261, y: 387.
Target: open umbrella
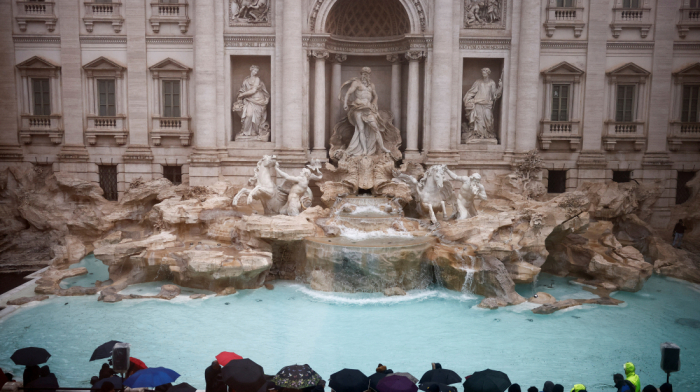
x: 243, y: 375
x: 104, y: 351
x: 437, y: 387
x: 296, y: 377
x: 138, y: 364
x: 349, y: 380
x: 407, y: 375
x: 487, y: 381
x: 376, y: 377
x: 184, y: 387
x: 225, y: 357
x: 30, y: 356
x: 151, y: 378
x: 442, y: 376
x: 115, y: 380
x: 396, y: 384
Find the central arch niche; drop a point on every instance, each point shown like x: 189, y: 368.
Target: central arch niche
x: 368, y: 18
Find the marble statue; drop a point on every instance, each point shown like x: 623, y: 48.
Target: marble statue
x: 366, y: 130
x: 250, y: 11
x: 264, y: 189
x: 432, y: 193
x: 482, y: 12
x: 471, y: 190
x: 251, y: 105
x: 299, y: 194
x: 478, y: 104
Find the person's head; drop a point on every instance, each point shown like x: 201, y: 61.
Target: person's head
x: 381, y: 368
x: 94, y: 380
x: 680, y: 221
x: 558, y: 388
x: 578, y: 388
x: 254, y: 69
x: 514, y: 388
x: 533, y: 389
x: 618, y: 378
x: 650, y: 388
x: 629, y: 368
x: 548, y: 386
x: 365, y: 74
x: 436, y: 365
x: 666, y: 387
x: 107, y: 387
x: 45, y: 371
x: 215, y: 365
x: 485, y: 72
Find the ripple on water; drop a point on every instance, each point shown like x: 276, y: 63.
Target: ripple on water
x: 689, y: 322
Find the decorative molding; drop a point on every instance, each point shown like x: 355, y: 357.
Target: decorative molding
x: 102, y: 39
x: 319, y: 54
x: 388, y: 46
x: 169, y: 40
x: 475, y: 17
x: 339, y: 58
x: 416, y: 4
x: 630, y: 45
x: 686, y: 46
x: 414, y: 55
x: 564, y: 45
x: 36, y: 39
x: 484, y: 43
x: 253, y: 18
x: 249, y: 41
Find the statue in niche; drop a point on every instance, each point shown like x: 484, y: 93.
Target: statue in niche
x: 250, y: 11
x: 471, y: 190
x: 366, y: 130
x: 482, y: 12
x: 478, y: 105
x: 299, y: 194
x: 251, y: 105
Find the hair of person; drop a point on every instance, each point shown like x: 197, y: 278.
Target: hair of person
x: 650, y: 388
x: 533, y: 389
x: 107, y: 387
x: 617, y: 377
x: 558, y: 388
x: 514, y: 388
x: 665, y: 387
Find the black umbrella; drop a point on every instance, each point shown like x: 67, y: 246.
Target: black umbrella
x: 437, y: 387
x: 184, y: 387
x: 349, y: 380
x: 30, y: 356
x: 115, y: 380
x: 243, y: 375
x: 376, y: 377
x: 442, y: 376
x: 487, y: 381
x: 296, y: 377
x: 104, y: 351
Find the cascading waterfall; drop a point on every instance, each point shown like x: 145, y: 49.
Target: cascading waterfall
x: 437, y: 276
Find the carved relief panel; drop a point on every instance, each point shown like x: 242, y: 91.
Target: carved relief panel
x: 485, y: 14
x: 249, y: 13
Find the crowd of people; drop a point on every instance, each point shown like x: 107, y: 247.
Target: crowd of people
x: 40, y: 379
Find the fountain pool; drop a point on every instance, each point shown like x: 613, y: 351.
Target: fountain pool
x: 293, y: 324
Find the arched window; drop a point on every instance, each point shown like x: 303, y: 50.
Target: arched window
x: 368, y: 18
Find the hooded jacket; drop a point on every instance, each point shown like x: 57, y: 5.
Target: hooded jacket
x: 578, y: 387
x: 632, y: 377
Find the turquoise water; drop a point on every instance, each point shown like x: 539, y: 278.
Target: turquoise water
x: 96, y: 271
x: 293, y: 324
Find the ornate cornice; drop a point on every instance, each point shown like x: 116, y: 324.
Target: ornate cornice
x: 170, y: 40
x: 484, y: 43
x: 686, y: 46
x: 318, y: 3
x: 249, y: 41
x: 389, y: 45
x: 36, y: 39
x: 564, y: 45
x: 630, y: 45
x: 103, y: 40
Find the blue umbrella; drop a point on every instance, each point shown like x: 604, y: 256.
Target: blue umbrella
x: 151, y: 378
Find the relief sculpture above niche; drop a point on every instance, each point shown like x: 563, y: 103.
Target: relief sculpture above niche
x: 485, y: 14
x: 249, y: 12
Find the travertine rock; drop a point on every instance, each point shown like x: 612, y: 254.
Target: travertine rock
x: 48, y: 283
x: 392, y: 291
x: 168, y: 291
x: 227, y: 291
x: 567, y: 303
x: 542, y: 298
x: 25, y: 300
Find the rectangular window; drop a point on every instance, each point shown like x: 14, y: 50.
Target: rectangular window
x: 622, y: 176
x: 691, y: 98
x: 625, y: 103
x: 169, y: 1
x: 42, y: 100
x: 171, y: 98
x: 173, y: 174
x: 106, y: 97
x: 565, y: 3
x: 682, y: 190
x: 108, y: 181
x: 556, y: 182
x: 630, y: 4
x: 694, y: 3
x: 560, y: 102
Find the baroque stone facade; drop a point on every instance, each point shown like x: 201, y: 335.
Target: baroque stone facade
x: 110, y: 92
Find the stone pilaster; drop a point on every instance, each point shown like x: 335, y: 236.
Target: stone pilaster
x: 512, y: 83
x: 441, y: 149
x: 414, y: 58
x: 661, y: 81
x: 10, y: 150
x: 395, y: 61
x: 527, y: 115
x: 336, y: 82
x: 319, y: 149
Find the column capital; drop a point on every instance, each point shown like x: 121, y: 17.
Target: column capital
x: 319, y: 54
x: 393, y: 58
x: 339, y: 58
x: 415, y: 55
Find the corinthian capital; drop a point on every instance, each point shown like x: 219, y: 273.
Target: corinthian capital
x: 415, y: 55
x: 393, y: 58
x: 339, y: 58
x: 319, y: 54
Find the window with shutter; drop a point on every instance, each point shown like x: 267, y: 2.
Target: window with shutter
x: 560, y: 102
x: 691, y: 99
x: 625, y: 103
x: 171, y: 98
x: 556, y: 182
x: 106, y: 97
x: 630, y: 4
x: 565, y: 3
x: 42, y: 97
x: 694, y: 3
x: 173, y: 174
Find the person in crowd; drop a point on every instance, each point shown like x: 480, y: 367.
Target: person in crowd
x: 213, y: 378
x: 514, y: 388
x: 548, y: 386
x: 629, y: 372
x: 3, y: 378
x: 558, y: 388
x: 31, y: 373
x: 621, y: 384
x: 94, y: 379
x: 106, y: 371
x: 47, y: 381
x: 382, y: 369
x: 436, y: 365
x: 107, y: 387
x: 163, y: 388
x: 678, y: 232
x: 650, y: 388
x: 666, y: 387
x: 533, y: 389
x: 578, y: 388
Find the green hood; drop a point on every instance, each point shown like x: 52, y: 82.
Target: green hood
x: 578, y: 387
x: 629, y: 369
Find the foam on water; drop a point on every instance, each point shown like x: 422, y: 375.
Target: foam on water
x: 359, y: 210
x: 359, y: 235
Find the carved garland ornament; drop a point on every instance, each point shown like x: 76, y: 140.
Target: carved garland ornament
x: 318, y: 3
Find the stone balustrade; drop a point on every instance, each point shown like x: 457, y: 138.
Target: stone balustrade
x: 171, y: 127
x: 50, y: 126
x: 562, y: 17
x: 568, y: 131
x: 632, y: 131
x: 34, y: 11
x: 114, y: 126
x: 690, y: 19
x: 103, y: 12
x: 176, y: 13
x: 631, y: 18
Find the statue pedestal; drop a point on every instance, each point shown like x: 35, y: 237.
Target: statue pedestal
x: 252, y: 138
x: 482, y: 141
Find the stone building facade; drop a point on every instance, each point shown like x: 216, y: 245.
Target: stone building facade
x: 110, y: 91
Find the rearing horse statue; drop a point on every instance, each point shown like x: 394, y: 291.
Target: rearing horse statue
x: 265, y: 188
x: 432, y: 192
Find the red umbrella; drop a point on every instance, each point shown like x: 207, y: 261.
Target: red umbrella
x: 138, y: 364
x: 225, y: 357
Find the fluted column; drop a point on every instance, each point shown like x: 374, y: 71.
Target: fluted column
x: 395, y: 61
x: 412, y: 109
x: 292, y: 76
x: 336, y: 82
x: 320, y: 103
x: 526, y: 116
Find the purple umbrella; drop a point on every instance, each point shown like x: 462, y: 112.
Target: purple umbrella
x: 396, y: 384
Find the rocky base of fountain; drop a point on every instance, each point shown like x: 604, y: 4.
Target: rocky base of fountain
x: 194, y: 236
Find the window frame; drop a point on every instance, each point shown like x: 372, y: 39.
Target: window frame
x: 107, y: 82
x: 687, y: 107
x: 549, y: 180
x: 177, y: 177
x: 110, y: 190
x: 567, y: 99
x: 45, y: 96
x: 166, y: 95
x: 630, y: 4
x: 633, y: 100
x: 572, y: 3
